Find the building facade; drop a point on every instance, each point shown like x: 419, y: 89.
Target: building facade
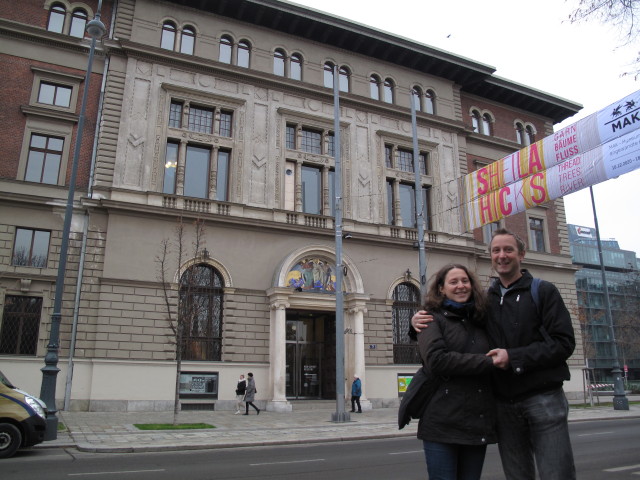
x: 623, y: 290
x: 217, y: 121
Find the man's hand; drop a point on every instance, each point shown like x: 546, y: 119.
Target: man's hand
x: 421, y: 320
x: 500, y: 357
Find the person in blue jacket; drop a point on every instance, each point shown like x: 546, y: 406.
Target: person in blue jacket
x: 356, y: 393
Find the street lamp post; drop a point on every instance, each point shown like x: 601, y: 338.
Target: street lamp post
x: 620, y: 401
x: 96, y: 30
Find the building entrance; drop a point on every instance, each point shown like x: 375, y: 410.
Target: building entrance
x: 310, y: 356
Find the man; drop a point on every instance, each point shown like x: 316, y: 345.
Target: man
x: 356, y: 393
x: 533, y: 339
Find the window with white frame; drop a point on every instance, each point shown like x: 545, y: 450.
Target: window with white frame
x: 57, y: 14
x: 388, y: 90
x: 284, y: 66
x: 344, y: 77
x: 68, y: 20
x: 374, y: 86
x: 78, y: 23
x: 423, y: 101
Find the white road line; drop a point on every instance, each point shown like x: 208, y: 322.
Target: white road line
x: 622, y: 469
x: 594, y: 434
x: 119, y: 472
x: 287, y: 463
x: 406, y: 453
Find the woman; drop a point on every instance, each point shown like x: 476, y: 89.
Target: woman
x: 250, y: 394
x: 458, y: 422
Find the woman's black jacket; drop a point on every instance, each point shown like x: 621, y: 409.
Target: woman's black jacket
x: 462, y: 410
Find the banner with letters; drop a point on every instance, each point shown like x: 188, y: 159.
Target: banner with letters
x: 603, y: 145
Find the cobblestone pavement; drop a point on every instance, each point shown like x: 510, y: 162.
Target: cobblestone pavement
x: 111, y: 432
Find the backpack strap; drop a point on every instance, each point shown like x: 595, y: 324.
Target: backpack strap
x: 535, y: 293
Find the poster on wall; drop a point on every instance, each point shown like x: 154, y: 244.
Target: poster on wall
x: 404, y: 379
x: 199, y: 385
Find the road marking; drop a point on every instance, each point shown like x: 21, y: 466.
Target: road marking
x: 114, y: 473
x: 406, y: 453
x: 594, y: 434
x: 286, y: 463
x: 622, y: 469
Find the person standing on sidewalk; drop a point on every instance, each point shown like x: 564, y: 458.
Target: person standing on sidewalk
x: 534, y: 339
x: 356, y: 393
x: 240, y: 391
x: 250, y: 394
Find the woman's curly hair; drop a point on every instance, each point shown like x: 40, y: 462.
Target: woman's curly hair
x: 434, y: 298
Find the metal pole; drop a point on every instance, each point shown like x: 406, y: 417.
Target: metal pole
x: 96, y: 29
x: 340, y: 414
x: 620, y: 401
x: 422, y: 258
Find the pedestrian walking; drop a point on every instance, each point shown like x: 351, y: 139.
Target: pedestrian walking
x: 241, y: 389
x: 250, y: 394
x: 356, y: 393
x: 532, y: 337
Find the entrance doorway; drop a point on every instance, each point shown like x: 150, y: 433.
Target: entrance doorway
x: 311, y: 355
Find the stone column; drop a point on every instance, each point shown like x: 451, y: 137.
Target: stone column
x: 277, y: 354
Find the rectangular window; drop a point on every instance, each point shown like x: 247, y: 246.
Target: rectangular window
x: 536, y: 234
x: 196, y: 172
x: 43, y: 162
x: 331, y: 145
x: 407, y: 205
x: 405, y: 160
x: 311, y: 190
x: 52, y: 94
x: 487, y: 231
x: 201, y: 120
x: 225, y: 124
x: 175, y: 115
x: 31, y: 248
x: 388, y: 156
x: 311, y: 141
x: 222, y: 182
x: 291, y: 137
x: 20, y: 324
x: 170, y: 166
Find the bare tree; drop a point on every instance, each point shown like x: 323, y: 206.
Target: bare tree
x: 623, y: 14
x: 185, y: 317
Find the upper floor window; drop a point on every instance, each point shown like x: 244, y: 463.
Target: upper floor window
x: 424, y: 102
x: 168, y: 39
x: 487, y: 231
x: 536, y: 234
x: 226, y: 49
x: 416, y: 97
x: 244, y: 52
x: 475, y: 121
x: 279, y: 58
x: 56, y: 18
x: 344, y: 75
x: 530, y: 135
x: 188, y: 40
x: 53, y: 94
x: 78, y: 23
x: 175, y: 115
x: 389, y: 87
x: 295, y: 67
x: 31, y: 248
x: 43, y: 161
x: 401, y: 204
x: 200, y: 119
x: 486, y: 124
x: 310, y: 140
x: 402, y: 159
x: 481, y: 123
x: 430, y: 102
x: 374, y: 86
x: 519, y: 133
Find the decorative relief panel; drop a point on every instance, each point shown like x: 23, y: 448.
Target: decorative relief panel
x: 131, y: 174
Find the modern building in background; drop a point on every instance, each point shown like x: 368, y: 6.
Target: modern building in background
x: 220, y: 116
x: 623, y: 284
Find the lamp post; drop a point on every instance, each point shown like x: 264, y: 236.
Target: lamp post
x: 96, y: 30
x: 620, y: 401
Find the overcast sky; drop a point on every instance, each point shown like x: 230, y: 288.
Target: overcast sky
x: 532, y: 43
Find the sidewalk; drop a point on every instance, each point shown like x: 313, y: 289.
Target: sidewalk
x: 113, y: 432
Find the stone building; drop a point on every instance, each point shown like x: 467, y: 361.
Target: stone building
x: 218, y: 116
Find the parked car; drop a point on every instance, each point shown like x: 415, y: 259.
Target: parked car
x: 22, y: 419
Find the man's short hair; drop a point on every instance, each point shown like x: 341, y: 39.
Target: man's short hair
x: 503, y: 231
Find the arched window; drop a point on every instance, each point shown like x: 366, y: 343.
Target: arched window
x: 244, y: 53
x: 295, y: 69
x: 475, y: 120
x: 328, y: 75
x: 406, y: 302
x: 226, y: 47
x: 279, y: 58
x: 416, y: 97
x: 56, y: 18
x: 374, y: 84
x: 430, y: 102
x: 78, y: 23
x: 188, y: 40
x: 200, y: 313
x: 486, y: 124
x: 530, y: 136
x: 168, y: 39
x: 519, y: 133
x: 389, y: 86
x: 344, y: 76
